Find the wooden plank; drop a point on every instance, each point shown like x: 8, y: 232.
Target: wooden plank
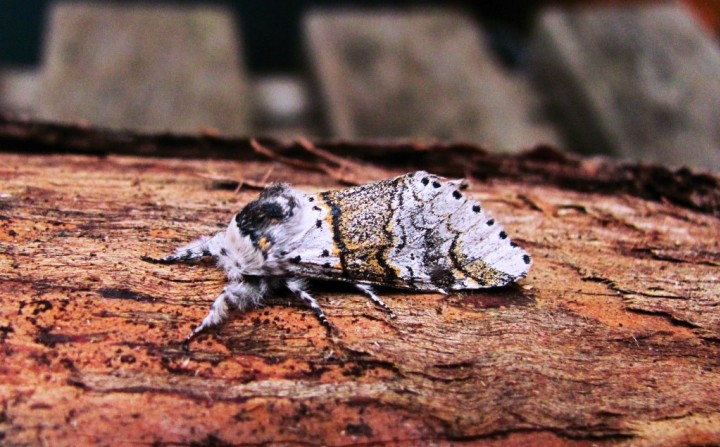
x: 144, y: 67
x: 640, y: 82
x: 612, y: 339
x: 423, y: 74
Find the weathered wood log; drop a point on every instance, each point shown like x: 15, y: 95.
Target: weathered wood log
x: 613, y: 338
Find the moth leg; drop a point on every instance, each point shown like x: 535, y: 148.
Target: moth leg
x: 195, y: 250
x: 297, y: 286
x: 235, y: 296
x: 367, y: 290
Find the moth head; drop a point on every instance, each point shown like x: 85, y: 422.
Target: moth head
x: 277, y: 204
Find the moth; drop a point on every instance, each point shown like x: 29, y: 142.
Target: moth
x: 416, y: 232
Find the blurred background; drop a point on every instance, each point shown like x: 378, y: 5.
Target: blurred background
x: 634, y: 80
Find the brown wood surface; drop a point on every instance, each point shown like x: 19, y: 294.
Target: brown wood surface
x: 613, y: 338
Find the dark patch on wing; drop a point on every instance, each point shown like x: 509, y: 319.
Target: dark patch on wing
x: 335, y: 214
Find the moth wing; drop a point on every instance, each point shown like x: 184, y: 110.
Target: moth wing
x: 317, y: 255
x: 487, y: 246
x: 449, y: 240
x: 354, y: 235
x: 421, y: 212
x: 482, y: 249
x: 417, y: 231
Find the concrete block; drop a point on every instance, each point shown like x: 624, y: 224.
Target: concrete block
x: 641, y: 82
x: 424, y: 74
x: 144, y: 67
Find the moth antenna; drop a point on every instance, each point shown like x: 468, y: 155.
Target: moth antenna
x: 200, y: 248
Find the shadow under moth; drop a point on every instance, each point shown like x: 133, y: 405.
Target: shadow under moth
x: 415, y: 232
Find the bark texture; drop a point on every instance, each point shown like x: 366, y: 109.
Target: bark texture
x: 613, y: 338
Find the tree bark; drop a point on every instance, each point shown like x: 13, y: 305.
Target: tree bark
x: 613, y: 338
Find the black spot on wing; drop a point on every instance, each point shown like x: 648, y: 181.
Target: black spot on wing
x: 411, y: 277
x: 442, y: 278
